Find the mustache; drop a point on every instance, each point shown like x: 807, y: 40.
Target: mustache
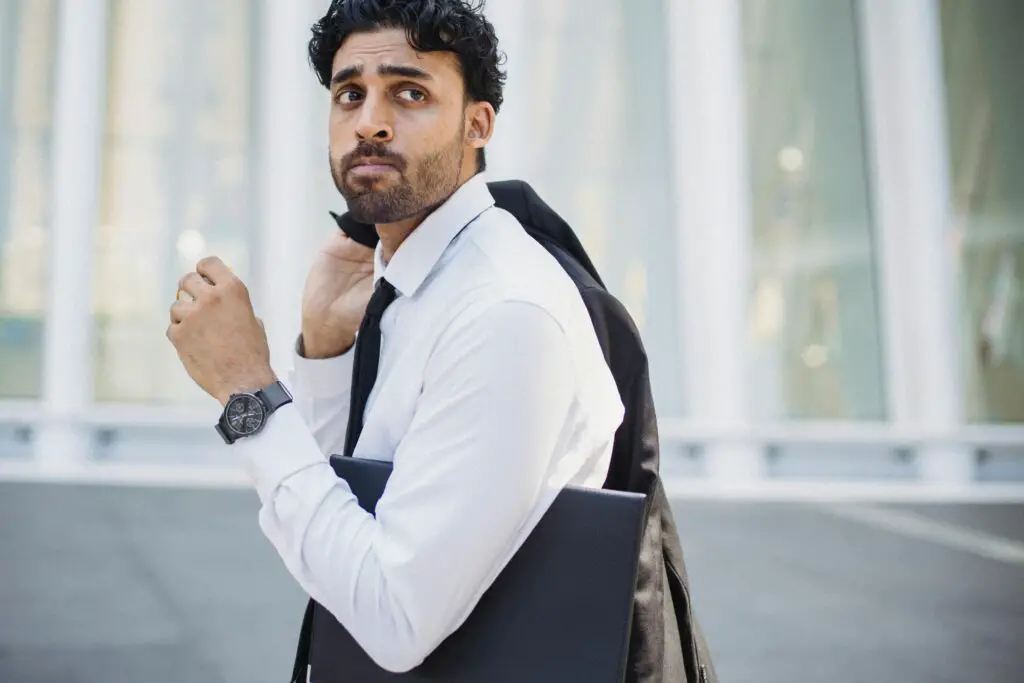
x: 372, y: 149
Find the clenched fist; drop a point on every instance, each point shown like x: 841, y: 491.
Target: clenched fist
x: 219, y: 339
x: 338, y: 288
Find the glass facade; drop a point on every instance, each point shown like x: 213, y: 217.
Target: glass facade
x: 983, y: 66
x: 27, y: 46
x: 177, y: 181
x: 815, y: 333
x: 603, y: 116
x: 598, y: 137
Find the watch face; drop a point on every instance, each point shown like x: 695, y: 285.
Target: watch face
x: 245, y: 415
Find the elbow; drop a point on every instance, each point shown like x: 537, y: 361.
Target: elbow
x: 400, y: 655
x: 390, y: 638
x: 397, y: 622
x: 399, y: 660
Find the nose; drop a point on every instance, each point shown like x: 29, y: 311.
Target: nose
x: 374, y: 121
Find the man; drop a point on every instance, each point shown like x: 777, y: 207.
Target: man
x: 492, y: 392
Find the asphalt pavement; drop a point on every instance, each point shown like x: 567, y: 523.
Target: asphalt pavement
x: 102, y: 584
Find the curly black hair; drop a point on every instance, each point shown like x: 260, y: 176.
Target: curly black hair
x: 457, y: 26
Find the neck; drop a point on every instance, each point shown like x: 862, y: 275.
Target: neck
x: 393, y: 234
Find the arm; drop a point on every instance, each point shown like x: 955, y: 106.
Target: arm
x: 467, y: 478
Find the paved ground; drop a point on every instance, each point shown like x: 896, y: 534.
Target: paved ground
x: 110, y: 584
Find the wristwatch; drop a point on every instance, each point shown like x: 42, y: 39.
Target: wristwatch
x: 246, y: 414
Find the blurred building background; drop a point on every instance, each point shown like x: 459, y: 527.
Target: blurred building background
x: 813, y: 208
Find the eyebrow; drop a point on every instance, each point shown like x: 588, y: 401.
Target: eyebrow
x: 350, y: 72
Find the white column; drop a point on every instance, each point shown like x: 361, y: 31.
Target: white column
x: 79, y: 97
x: 287, y: 185
x: 509, y: 152
x: 713, y: 196
x: 907, y: 113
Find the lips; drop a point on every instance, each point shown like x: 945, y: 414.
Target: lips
x: 371, y: 165
x: 372, y: 168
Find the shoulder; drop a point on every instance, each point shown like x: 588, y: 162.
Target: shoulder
x: 508, y: 294
x: 501, y: 263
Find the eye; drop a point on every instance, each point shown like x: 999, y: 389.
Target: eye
x: 347, y: 96
x: 412, y: 95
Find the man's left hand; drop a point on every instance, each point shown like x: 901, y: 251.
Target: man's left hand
x: 219, y: 339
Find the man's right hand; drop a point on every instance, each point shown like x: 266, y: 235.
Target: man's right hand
x: 338, y: 288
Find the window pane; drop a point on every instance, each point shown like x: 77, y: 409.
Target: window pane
x: 985, y: 100
x: 814, y: 319
x: 27, y: 33
x: 598, y: 125
x: 176, y: 182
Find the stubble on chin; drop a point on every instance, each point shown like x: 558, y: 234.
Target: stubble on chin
x: 430, y: 184
x: 383, y: 206
x: 370, y: 205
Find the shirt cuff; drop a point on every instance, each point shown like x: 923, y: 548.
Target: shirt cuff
x: 284, y: 447
x: 322, y: 377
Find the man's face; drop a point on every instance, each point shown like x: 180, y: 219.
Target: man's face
x: 402, y: 135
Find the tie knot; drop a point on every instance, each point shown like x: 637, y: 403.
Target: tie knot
x: 383, y: 294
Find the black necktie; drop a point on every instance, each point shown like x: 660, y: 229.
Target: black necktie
x: 367, y: 358
x: 364, y: 374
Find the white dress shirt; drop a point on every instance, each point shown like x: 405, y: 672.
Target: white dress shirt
x: 492, y: 395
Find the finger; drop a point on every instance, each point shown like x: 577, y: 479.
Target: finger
x: 180, y: 310
x: 194, y: 285
x: 214, y: 270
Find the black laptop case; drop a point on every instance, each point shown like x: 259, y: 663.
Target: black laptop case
x: 559, y: 612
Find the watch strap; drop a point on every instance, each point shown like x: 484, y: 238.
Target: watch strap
x: 224, y: 431
x: 274, y: 396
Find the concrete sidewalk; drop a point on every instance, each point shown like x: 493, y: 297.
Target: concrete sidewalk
x: 103, y: 584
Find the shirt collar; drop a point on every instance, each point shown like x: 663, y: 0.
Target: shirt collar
x: 419, y: 254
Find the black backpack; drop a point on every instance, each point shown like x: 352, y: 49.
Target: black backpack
x: 666, y: 643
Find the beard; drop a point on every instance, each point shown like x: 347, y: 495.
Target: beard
x: 421, y: 185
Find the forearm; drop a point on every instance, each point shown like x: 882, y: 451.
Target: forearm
x: 329, y: 544
x: 337, y: 552
x: 401, y: 582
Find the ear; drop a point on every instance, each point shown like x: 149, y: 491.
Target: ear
x: 479, y: 124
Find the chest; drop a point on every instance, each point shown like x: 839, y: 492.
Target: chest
x: 410, y: 331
